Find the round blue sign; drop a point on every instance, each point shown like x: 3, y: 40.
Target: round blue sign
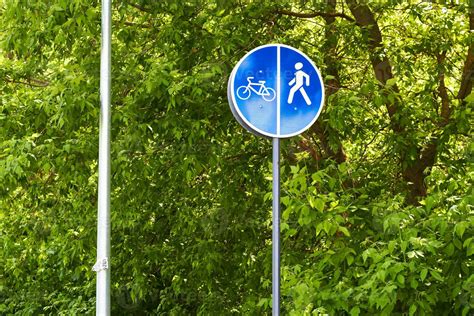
x: 276, y: 91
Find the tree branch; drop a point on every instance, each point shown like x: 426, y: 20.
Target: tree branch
x: 139, y: 7
x: 315, y: 14
x: 413, y: 172
x: 427, y: 155
x: 320, y: 129
x: 442, y: 91
x: 30, y: 82
x: 381, y: 65
x: 145, y: 26
x: 468, y: 70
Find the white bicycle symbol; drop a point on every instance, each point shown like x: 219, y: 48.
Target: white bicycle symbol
x: 244, y: 92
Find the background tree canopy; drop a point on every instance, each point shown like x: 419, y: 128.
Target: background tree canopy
x: 377, y: 198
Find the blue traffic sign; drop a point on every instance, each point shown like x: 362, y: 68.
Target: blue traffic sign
x: 276, y: 91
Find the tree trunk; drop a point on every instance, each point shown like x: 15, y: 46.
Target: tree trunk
x: 320, y: 129
x: 414, y: 172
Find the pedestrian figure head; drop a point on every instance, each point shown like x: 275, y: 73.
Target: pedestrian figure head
x: 298, y: 66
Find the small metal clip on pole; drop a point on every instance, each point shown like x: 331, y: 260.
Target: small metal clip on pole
x: 276, y: 229
x: 103, y: 212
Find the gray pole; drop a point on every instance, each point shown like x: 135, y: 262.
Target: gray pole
x: 276, y: 229
x: 103, y: 213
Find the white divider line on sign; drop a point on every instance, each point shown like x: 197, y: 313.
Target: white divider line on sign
x: 278, y: 91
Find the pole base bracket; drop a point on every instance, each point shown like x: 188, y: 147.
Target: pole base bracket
x: 101, y: 264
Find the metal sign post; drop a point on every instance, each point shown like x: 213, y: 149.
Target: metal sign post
x: 103, y: 213
x: 276, y: 229
x: 275, y: 91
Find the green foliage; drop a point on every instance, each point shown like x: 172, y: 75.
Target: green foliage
x: 346, y: 252
x: 191, y: 190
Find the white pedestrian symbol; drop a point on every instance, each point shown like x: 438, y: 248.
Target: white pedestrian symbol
x: 297, y: 83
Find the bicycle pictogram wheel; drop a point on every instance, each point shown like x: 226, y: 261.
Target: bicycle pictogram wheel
x: 243, y: 92
x: 268, y: 95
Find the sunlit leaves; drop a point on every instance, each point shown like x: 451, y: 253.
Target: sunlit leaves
x: 191, y: 190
